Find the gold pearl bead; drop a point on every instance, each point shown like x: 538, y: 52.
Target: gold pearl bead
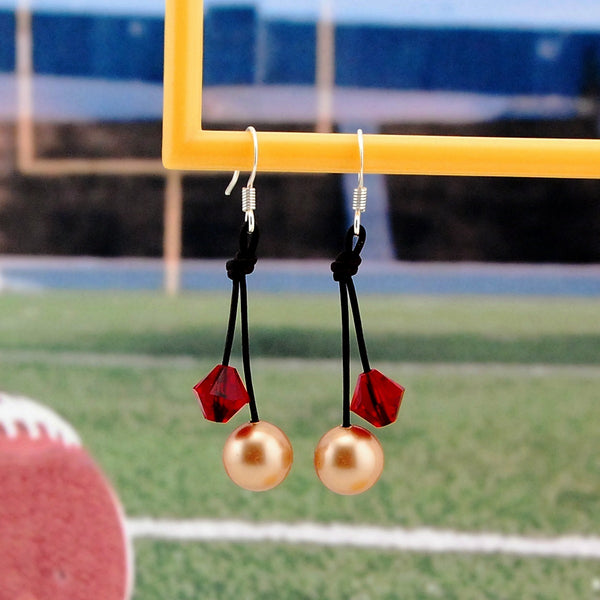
x: 348, y: 460
x: 257, y: 456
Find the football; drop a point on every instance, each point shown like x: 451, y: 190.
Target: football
x: 62, y: 528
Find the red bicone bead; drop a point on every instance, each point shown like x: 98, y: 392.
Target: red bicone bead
x: 221, y: 394
x: 376, y: 398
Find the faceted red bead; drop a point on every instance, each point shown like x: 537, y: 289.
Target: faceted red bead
x: 221, y: 394
x: 376, y: 398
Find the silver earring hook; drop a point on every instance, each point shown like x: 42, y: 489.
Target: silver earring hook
x: 248, y: 192
x: 359, y: 197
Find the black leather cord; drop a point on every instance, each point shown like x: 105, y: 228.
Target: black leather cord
x: 233, y: 306
x: 345, y: 354
x: 246, y: 350
x: 237, y: 269
x: 344, y: 267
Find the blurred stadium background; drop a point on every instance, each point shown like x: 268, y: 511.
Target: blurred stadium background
x: 498, y: 428
x: 523, y: 69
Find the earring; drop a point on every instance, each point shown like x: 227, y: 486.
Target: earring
x: 257, y: 455
x: 349, y: 459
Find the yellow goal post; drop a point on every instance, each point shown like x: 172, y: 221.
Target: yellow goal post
x: 187, y: 146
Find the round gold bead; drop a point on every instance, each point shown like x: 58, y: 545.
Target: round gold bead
x: 257, y: 456
x: 349, y: 460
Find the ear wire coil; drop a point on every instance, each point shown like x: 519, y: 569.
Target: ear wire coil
x: 359, y: 199
x: 248, y: 199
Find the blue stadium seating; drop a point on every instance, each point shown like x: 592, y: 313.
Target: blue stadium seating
x: 241, y: 47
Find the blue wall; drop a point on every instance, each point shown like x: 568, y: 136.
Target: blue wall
x: 230, y: 46
x: 291, y: 54
x: 7, y: 42
x: 242, y: 48
x: 92, y: 46
x: 486, y: 61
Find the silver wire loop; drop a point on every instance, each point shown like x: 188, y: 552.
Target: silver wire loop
x: 249, y: 205
x: 359, y: 196
x: 248, y: 192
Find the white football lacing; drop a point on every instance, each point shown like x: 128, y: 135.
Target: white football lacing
x: 18, y: 413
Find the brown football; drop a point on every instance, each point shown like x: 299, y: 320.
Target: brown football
x: 62, y: 528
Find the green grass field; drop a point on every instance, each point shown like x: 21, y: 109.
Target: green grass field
x: 498, y: 432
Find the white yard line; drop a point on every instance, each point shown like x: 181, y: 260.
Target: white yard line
x: 423, y: 540
x: 148, y: 361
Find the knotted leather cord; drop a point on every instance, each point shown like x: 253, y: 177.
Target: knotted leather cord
x: 344, y: 267
x: 237, y: 268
